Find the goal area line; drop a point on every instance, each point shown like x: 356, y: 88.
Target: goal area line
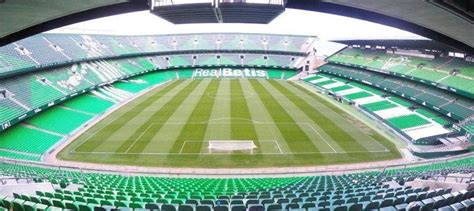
x: 252, y: 147
x: 207, y: 154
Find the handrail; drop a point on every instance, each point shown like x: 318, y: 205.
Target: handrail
x: 262, y: 172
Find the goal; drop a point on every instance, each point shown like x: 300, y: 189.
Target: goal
x: 231, y: 145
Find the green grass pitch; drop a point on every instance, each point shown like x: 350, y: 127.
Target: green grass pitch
x: 172, y: 125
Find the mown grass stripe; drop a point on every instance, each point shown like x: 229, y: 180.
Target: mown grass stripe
x: 165, y: 137
x: 295, y: 137
x: 160, y: 115
x: 194, y: 130
x: 259, y: 113
x: 239, y: 111
x: 94, y: 141
x: 344, y: 139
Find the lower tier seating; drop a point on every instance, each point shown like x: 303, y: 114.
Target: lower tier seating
x: 88, y: 103
x: 408, y: 121
x: 457, y: 107
x: 50, y: 126
x: 416, y: 123
x: 386, y: 190
x: 27, y: 140
x: 60, y: 120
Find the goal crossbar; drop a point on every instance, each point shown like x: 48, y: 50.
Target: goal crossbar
x: 231, y: 145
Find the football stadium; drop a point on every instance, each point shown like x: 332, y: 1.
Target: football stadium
x: 221, y: 105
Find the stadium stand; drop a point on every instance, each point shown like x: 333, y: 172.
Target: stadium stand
x: 451, y: 72
x: 88, y: 103
x: 52, y: 125
x: 417, y: 126
x: 457, y: 107
x: 56, y: 83
x: 49, y: 49
x: 50, y: 120
x: 386, y: 190
x: 28, y: 92
x: 26, y: 142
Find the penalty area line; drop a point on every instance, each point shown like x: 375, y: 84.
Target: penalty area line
x: 319, y: 134
x: 265, y: 153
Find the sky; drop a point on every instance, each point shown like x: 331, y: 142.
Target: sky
x: 298, y: 22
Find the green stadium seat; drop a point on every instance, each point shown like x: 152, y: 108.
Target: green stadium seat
x: 169, y: 207
x: 203, y: 208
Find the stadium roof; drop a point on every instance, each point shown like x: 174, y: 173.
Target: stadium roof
x: 430, y: 18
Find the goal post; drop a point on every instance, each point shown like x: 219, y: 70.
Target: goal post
x: 231, y: 145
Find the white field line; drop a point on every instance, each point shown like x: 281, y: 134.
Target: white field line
x: 139, y: 137
x: 266, y: 153
x: 111, y: 110
x: 182, y: 147
x: 249, y: 121
x: 278, y: 145
x: 225, y: 97
x: 210, y: 122
x: 323, y: 97
x: 319, y: 134
x: 95, y: 132
x: 204, y: 141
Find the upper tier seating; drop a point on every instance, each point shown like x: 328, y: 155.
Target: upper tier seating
x: 30, y: 91
x: 50, y: 49
x: 26, y: 92
x: 438, y: 70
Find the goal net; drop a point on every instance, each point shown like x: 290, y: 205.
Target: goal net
x: 231, y: 145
